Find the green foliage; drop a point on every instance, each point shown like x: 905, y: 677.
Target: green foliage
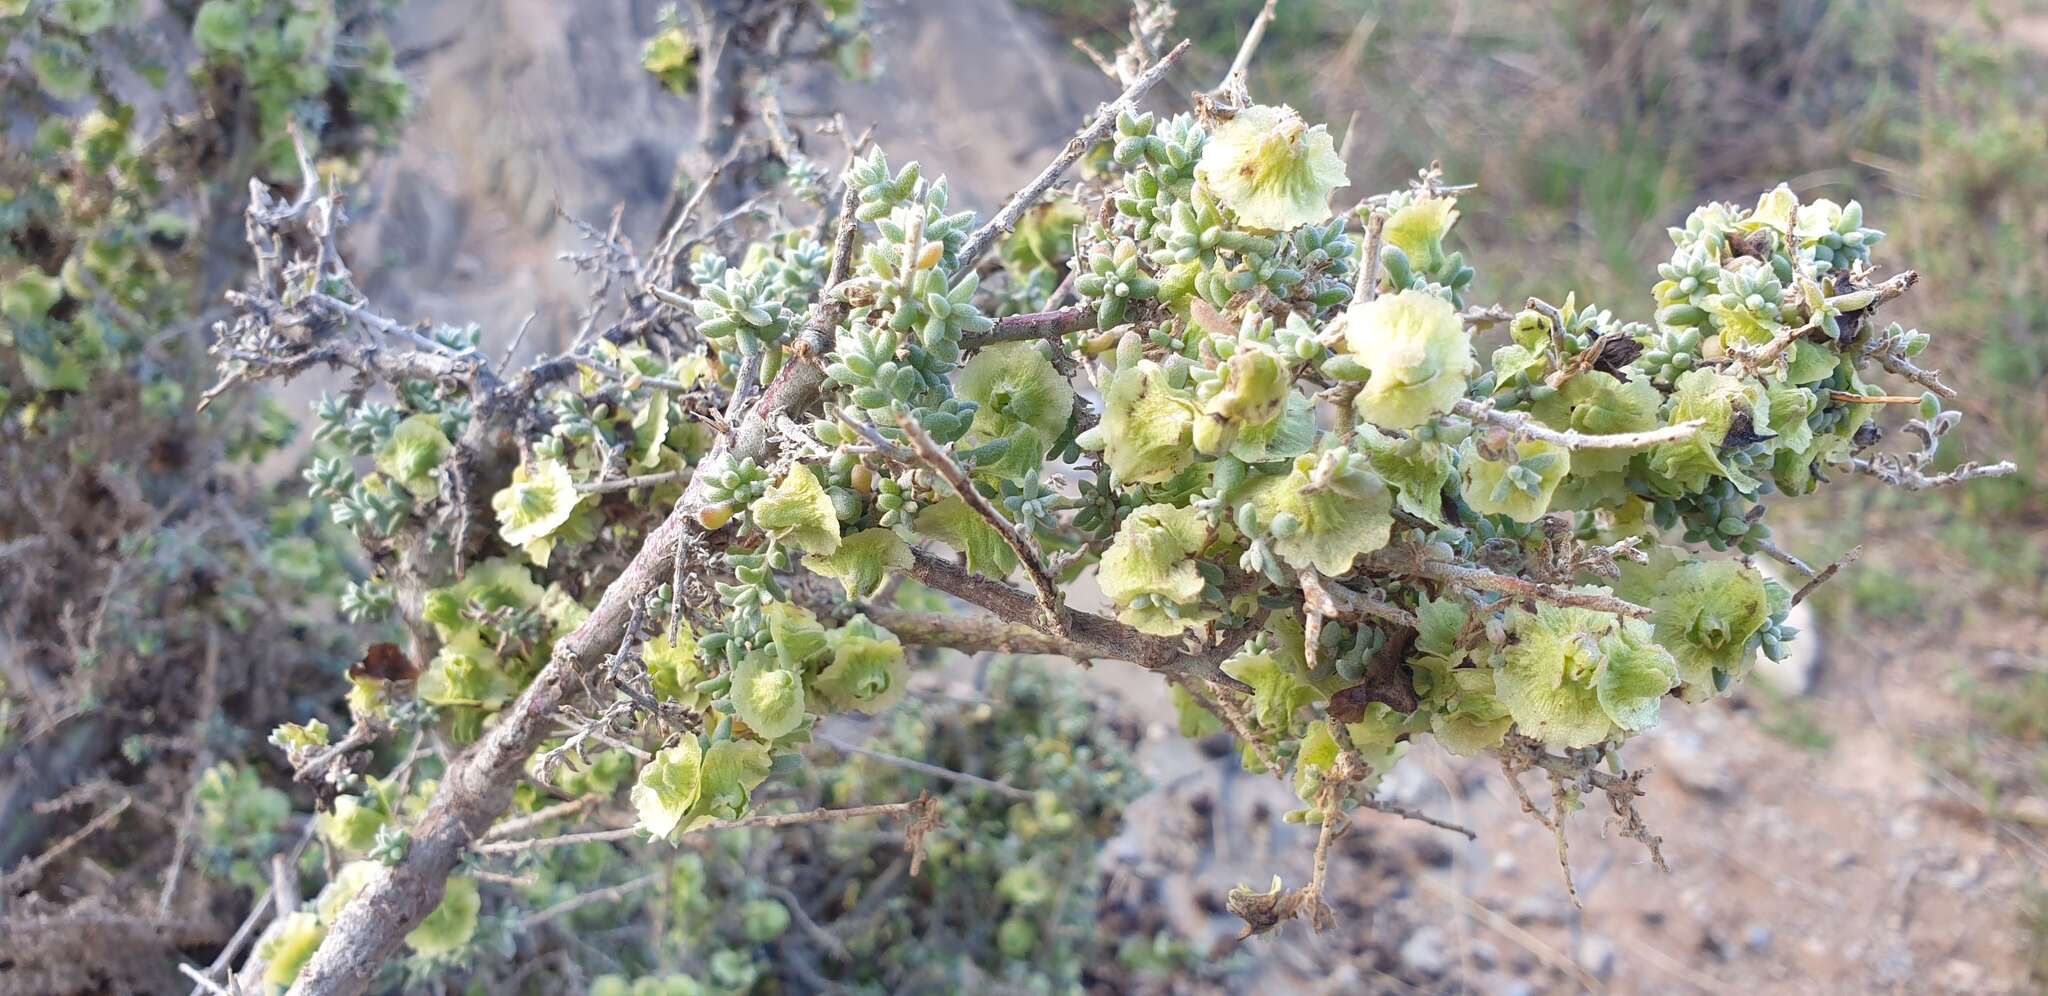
x: 1294, y: 442
x: 452, y: 923
x: 239, y: 821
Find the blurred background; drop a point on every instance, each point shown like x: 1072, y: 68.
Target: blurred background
x: 1871, y: 818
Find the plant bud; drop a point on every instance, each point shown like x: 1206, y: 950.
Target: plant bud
x: 714, y: 517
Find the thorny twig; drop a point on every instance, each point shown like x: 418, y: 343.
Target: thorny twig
x: 1783, y: 556
x: 1527, y: 427
x: 1093, y: 637
x: 1908, y: 471
x: 30, y: 868
x: 617, y: 484
x: 1031, y: 327
x: 1227, y: 709
x: 911, y: 764
x: 1570, y: 776
x: 1415, y: 560
x: 592, y: 898
x: 1050, y: 603
x: 1249, y: 47
x: 1418, y: 816
x: 764, y: 821
x: 1100, y: 128
x: 560, y: 810
x: 1336, y: 601
x: 1825, y: 573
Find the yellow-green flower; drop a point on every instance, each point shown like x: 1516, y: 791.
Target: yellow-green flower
x: 1520, y: 489
x: 1598, y: 403
x: 288, y: 949
x: 732, y: 770
x: 675, y: 671
x: 798, y: 513
x: 539, y: 500
x: 1323, y: 525
x: 1253, y: 395
x: 343, y: 887
x: 494, y: 585
x: 1418, y: 229
x: 768, y: 697
x: 795, y: 633
x: 1022, y: 398
x: 1573, y: 677
x: 1272, y: 169
x: 465, y: 672
x: 668, y: 786
x: 868, y: 671
x: 412, y: 453
x: 1706, y: 613
x: 1718, y: 399
x: 863, y: 560
x: 959, y: 526
x: 452, y: 923
x: 1149, y: 571
x: 1146, y: 435
x: 1419, y: 353
x: 352, y: 827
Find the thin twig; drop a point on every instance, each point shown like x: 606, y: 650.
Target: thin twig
x: 1099, y: 129
x: 1414, y: 560
x: 1418, y: 816
x: 766, y: 821
x: 1093, y: 637
x: 629, y: 483
x: 557, y: 811
x: 1250, y: 46
x: 1888, y: 356
x: 1240, y: 725
x: 1526, y: 426
x: 967, y: 633
x: 1844, y: 397
x: 1050, y: 603
x: 202, y: 981
x: 1339, y: 602
x: 574, y: 903
x: 1826, y: 573
x: 265, y: 902
x: 518, y: 337
x: 909, y: 764
x: 1783, y: 556
x: 1031, y: 327
x: 824, y: 938
x: 1898, y: 475
x: 1368, y: 286
x: 27, y: 870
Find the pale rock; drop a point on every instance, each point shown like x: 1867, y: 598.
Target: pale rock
x: 1425, y: 953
